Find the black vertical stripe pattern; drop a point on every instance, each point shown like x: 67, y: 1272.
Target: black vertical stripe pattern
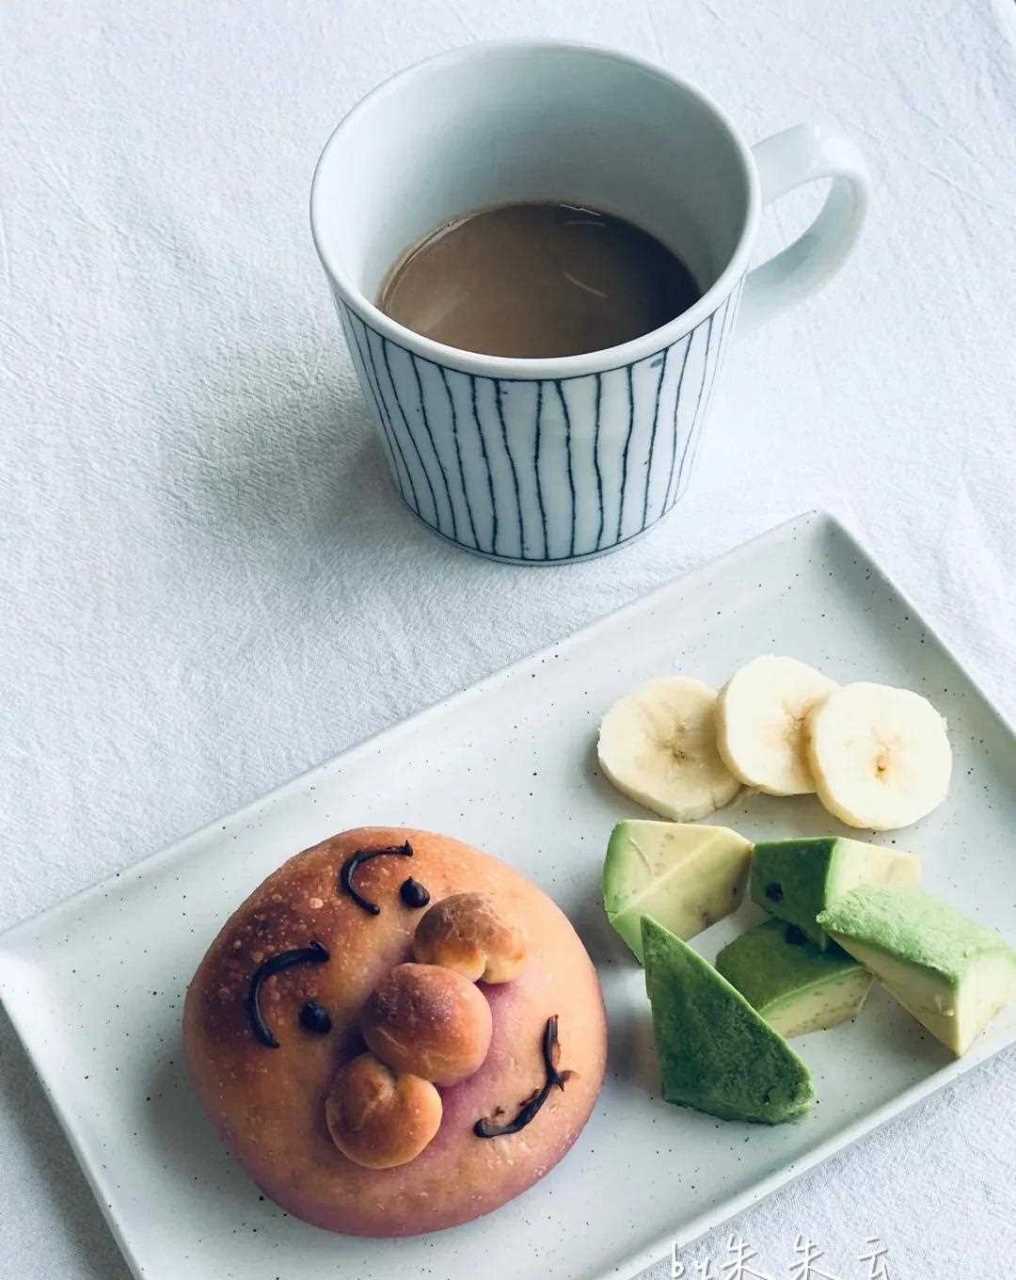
x: 729, y: 319
x: 433, y: 444
x: 511, y: 464
x: 486, y: 463
x: 689, y: 342
x: 691, y: 449
x: 437, y: 456
x: 628, y: 369
x: 458, y: 454
x: 652, y: 438
x: 536, y: 470
x: 401, y: 467
x: 387, y: 418
x: 568, y: 451
x: 412, y: 442
x: 596, y: 463
x: 409, y: 431
x: 698, y: 405
x: 356, y: 352
x: 376, y: 374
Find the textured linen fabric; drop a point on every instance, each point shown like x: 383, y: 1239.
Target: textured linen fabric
x: 208, y: 584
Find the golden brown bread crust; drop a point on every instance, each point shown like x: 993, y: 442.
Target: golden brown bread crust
x: 470, y: 933
x: 380, y: 1118
x: 269, y: 1104
x: 428, y: 1021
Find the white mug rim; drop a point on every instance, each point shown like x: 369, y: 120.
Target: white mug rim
x: 510, y: 367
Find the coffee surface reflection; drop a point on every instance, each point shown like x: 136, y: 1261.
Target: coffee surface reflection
x: 537, y: 280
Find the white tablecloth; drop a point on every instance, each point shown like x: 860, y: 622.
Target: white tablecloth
x: 208, y: 585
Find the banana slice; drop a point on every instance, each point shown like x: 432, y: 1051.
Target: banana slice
x: 880, y: 756
x: 760, y: 723
x: 658, y: 746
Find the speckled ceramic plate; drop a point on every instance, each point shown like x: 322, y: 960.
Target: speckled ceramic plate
x: 95, y: 985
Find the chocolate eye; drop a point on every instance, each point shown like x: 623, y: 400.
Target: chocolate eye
x: 314, y: 954
x: 413, y: 893
x: 349, y: 868
x: 315, y: 1017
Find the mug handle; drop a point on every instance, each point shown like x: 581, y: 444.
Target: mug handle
x: 802, y: 154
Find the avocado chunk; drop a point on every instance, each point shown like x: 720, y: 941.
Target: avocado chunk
x: 953, y: 975
x: 684, y: 874
x: 716, y: 1053
x: 796, y: 879
x: 793, y: 984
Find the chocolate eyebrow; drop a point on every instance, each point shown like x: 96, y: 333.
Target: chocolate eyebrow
x: 314, y: 954
x: 356, y: 860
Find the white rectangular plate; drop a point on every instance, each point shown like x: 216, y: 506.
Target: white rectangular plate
x: 95, y: 986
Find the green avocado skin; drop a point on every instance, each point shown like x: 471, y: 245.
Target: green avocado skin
x: 914, y: 927
x: 716, y: 1053
x: 765, y: 967
x: 788, y: 878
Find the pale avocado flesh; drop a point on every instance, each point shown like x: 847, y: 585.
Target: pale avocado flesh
x: 797, y: 879
x: 953, y: 975
x: 685, y: 875
x: 794, y: 985
x: 716, y: 1053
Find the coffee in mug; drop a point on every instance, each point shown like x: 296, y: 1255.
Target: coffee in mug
x: 537, y: 279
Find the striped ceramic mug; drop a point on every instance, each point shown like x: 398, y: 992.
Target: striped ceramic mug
x: 550, y: 460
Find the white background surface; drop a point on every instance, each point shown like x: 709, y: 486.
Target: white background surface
x: 207, y: 584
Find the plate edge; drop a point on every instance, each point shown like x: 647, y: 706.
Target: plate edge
x: 854, y: 540
x: 90, y: 1172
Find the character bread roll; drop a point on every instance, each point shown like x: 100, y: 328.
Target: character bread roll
x: 396, y: 1033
